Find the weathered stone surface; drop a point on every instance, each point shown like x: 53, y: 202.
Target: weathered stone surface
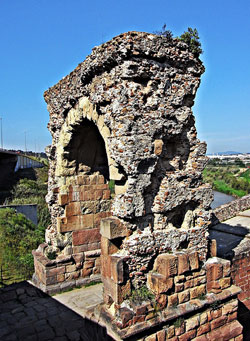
x: 125, y: 115
x: 112, y: 228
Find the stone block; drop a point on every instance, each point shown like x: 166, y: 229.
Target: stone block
x: 70, y: 268
x: 73, y: 208
x: 214, y: 271
x: 194, y: 261
x: 183, y: 263
x: 230, y: 307
x: 197, y: 291
x: 220, y: 321
x: 108, y: 247
x: 166, y: 265
x: 112, y: 228
x: 158, y: 144
x: 184, y: 296
x: 170, y: 332
x: 225, y: 282
x: 187, y: 336
x: 203, y: 329
x: 117, y: 272
x: 192, y: 323
x: 173, y: 300
x: 86, y: 237
x: 106, y: 194
x: 63, y: 199
x: 158, y: 283
x: 161, y: 335
x: 98, y: 217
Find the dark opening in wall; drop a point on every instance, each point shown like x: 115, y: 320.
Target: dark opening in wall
x: 87, y: 148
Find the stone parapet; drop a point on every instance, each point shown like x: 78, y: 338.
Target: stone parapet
x: 199, y: 319
x: 231, y: 209
x: 64, y: 272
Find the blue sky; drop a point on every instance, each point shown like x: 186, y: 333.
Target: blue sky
x: 43, y: 40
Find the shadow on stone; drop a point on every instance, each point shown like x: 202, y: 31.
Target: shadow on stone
x: 27, y: 313
x: 228, y: 237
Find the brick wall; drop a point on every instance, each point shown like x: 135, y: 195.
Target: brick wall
x: 86, y: 201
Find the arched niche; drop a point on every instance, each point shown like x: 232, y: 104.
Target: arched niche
x: 87, y: 148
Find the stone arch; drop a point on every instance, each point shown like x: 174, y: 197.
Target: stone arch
x: 87, y: 149
x: 84, y: 113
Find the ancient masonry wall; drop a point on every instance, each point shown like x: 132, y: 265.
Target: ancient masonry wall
x: 231, y: 209
x: 123, y: 117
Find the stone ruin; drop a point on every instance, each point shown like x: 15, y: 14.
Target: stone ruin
x: 126, y: 196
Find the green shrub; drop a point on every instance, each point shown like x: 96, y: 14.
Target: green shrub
x: 18, y: 237
x: 141, y: 294
x: 191, y: 38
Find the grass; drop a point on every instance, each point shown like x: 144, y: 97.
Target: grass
x: 228, y: 179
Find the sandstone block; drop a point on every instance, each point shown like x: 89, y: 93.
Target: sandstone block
x: 192, y: 323
x: 72, y: 209
x: 184, y: 296
x: 220, y: 321
x: 230, y: 307
x: 158, y: 283
x: 158, y: 144
x: 197, y: 291
x: 203, y: 329
x: 166, y: 265
x: 187, y: 336
x: 172, y: 300
x: 86, y: 237
x: 107, y: 247
x: 117, y: 273
x: 225, y: 282
x: 194, y: 261
x: 63, y: 199
x: 170, y: 332
x: 112, y: 228
x: 161, y: 335
x: 183, y: 264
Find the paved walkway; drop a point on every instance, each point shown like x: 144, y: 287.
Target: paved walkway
x: 233, y: 235
x: 28, y: 314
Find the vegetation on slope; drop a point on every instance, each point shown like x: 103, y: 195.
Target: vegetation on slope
x: 229, y: 179
x: 18, y: 235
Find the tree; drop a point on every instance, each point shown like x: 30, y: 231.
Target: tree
x: 191, y: 38
x: 163, y: 32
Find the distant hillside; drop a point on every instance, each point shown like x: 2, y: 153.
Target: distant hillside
x: 225, y: 153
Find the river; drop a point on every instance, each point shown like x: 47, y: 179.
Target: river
x: 220, y: 199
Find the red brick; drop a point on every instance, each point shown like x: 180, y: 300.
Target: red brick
x: 232, y: 317
x: 55, y: 271
x: 220, y: 321
x: 226, y: 332
x: 86, y: 237
x: 188, y: 336
x: 161, y: 335
x: 203, y: 329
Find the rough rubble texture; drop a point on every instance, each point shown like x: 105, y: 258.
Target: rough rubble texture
x: 133, y: 95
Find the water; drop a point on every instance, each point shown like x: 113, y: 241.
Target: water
x: 221, y: 199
